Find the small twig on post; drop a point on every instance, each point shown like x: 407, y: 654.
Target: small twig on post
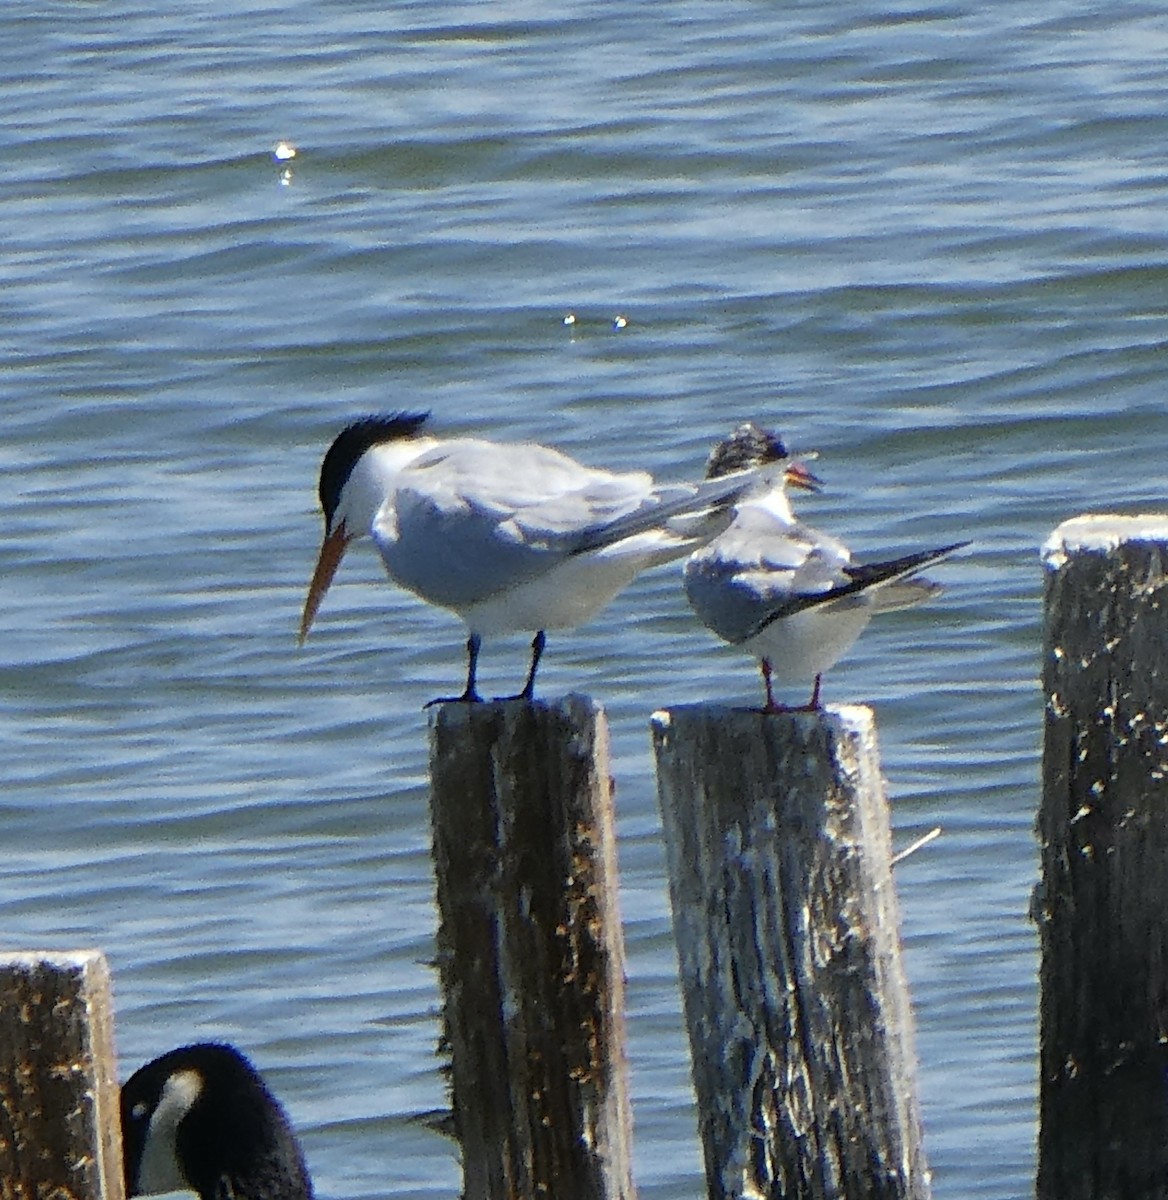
x: 924, y: 840
x: 529, y: 949
x: 60, y: 1125
x: 777, y: 837
x: 1102, y: 904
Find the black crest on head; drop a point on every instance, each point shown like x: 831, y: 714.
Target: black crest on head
x: 352, y: 442
x: 748, y: 446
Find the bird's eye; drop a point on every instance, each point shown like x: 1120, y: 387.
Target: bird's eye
x: 140, y: 1110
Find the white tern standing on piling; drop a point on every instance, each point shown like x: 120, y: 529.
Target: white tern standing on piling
x: 787, y: 594
x: 201, y: 1119
x: 510, y: 537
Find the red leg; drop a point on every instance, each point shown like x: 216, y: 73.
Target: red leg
x: 773, y: 706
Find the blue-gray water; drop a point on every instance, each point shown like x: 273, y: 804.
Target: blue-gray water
x: 927, y: 239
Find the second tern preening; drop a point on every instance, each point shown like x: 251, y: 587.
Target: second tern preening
x: 510, y: 537
x: 787, y: 594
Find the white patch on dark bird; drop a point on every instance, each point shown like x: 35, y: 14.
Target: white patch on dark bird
x: 201, y: 1119
x: 159, y: 1170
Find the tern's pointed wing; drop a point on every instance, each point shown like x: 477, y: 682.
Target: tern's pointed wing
x: 870, y: 577
x: 711, y: 501
x: 534, y: 492
x: 470, y: 519
x: 759, y: 565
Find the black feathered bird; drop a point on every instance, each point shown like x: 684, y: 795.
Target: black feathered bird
x: 201, y: 1118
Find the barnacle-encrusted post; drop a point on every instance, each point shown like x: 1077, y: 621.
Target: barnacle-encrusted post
x: 60, y: 1123
x: 1102, y: 903
x: 530, y: 951
x: 785, y: 914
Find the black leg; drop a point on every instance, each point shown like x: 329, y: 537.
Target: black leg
x: 537, y: 644
x: 471, y: 695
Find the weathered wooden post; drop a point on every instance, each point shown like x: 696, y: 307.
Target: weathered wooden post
x: 1102, y: 903
x: 60, y: 1127
x: 530, y: 952
x: 779, y: 852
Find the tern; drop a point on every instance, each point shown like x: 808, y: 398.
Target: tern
x: 201, y: 1119
x: 783, y: 592
x: 510, y: 537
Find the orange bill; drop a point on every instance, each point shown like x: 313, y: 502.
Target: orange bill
x: 332, y: 550
x: 797, y: 475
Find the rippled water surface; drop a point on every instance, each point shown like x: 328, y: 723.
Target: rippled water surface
x: 926, y: 240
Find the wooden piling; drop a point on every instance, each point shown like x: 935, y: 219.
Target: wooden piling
x: 785, y: 915
x: 1102, y: 903
x: 60, y: 1126
x: 530, y: 953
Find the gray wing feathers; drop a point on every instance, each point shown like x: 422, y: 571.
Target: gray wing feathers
x: 469, y: 519
x: 752, y: 577
x: 755, y: 568
x: 724, y: 604
x: 861, y: 579
x: 710, y: 504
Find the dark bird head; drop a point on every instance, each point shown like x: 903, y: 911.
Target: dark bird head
x: 346, y: 509
x: 351, y: 444
x: 201, y: 1118
x: 752, y: 446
